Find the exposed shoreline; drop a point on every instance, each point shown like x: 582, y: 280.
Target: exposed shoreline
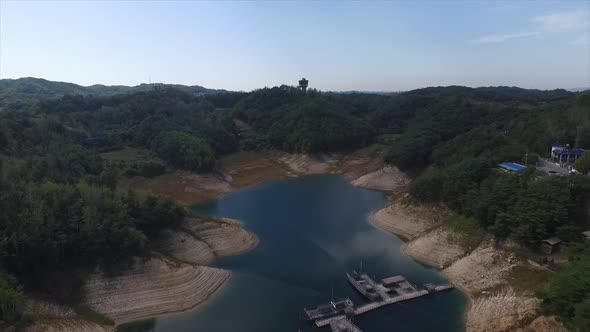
x: 197, y: 244
x: 183, y: 269
x: 480, y: 270
x: 483, y: 271
x: 176, y: 281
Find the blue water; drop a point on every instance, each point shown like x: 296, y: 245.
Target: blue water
x: 312, y: 230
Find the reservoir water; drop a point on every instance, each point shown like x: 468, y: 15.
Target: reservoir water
x: 312, y: 230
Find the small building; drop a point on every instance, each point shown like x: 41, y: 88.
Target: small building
x: 512, y: 167
x: 586, y: 235
x: 550, y: 245
x: 565, y: 154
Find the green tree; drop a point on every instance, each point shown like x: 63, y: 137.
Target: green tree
x: 568, y: 292
x: 184, y: 150
x: 583, y: 163
x: 11, y: 299
x: 428, y: 188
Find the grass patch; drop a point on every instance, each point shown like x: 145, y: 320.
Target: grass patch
x: 471, y: 233
x: 87, y: 313
x: 527, y: 280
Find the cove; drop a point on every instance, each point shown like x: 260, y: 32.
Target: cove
x: 312, y: 230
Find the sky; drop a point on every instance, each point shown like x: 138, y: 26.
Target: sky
x: 337, y: 46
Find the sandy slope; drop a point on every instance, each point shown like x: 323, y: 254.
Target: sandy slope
x: 408, y: 221
x: 303, y: 164
x: 200, y: 241
x: 438, y: 248
x: 388, y: 178
x: 186, y: 247
x: 481, y: 273
x: 60, y: 318
x: 151, y: 288
x: 67, y: 325
x: 225, y: 236
x: 157, y: 286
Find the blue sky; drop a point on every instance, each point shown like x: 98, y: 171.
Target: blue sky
x: 387, y: 46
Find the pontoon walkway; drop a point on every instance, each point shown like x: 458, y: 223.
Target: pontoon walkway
x: 374, y: 305
x: 343, y: 325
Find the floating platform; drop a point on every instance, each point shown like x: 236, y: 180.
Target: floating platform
x: 378, y: 304
x: 392, y: 286
x: 343, y: 325
x: 334, y: 308
x: 391, y: 290
x: 399, y: 285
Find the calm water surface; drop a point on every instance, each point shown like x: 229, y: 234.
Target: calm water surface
x: 312, y: 230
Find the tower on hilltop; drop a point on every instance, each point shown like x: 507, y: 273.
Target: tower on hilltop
x: 303, y: 84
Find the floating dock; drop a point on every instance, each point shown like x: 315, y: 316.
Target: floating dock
x: 391, y: 290
x: 331, y: 309
x: 343, y: 325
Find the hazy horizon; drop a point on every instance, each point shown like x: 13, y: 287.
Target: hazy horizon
x: 294, y: 84
x: 240, y: 46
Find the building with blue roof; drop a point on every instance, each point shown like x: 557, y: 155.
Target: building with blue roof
x: 512, y: 167
x: 565, y: 154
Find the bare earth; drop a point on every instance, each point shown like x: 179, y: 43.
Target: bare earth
x: 439, y: 248
x: 388, y: 178
x: 408, y: 221
x: 158, y: 285
x: 186, y: 247
x: 244, y: 169
x: 62, y: 318
x: 483, y: 274
x: 152, y: 288
x: 201, y: 241
x: 225, y: 236
x: 67, y: 325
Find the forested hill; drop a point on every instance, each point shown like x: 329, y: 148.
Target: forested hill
x: 16, y: 94
x: 58, y: 194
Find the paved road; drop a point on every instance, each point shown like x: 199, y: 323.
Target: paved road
x: 550, y: 167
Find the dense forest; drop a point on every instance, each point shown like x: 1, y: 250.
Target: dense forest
x: 19, y: 94
x: 62, y: 209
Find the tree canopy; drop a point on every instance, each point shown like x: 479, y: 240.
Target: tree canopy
x: 61, y: 208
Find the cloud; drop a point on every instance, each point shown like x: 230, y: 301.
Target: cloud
x: 500, y: 38
x: 581, y: 40
x: 564, y: 21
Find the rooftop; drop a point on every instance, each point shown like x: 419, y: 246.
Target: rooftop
x: 569, y: 152
x: 552, y: 241
x: 514, y: 167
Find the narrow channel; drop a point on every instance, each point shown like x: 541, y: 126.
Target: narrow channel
x: 312, y: 230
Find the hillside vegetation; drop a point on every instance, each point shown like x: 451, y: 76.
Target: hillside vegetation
x: 63, y: 211
x: 18, y: 94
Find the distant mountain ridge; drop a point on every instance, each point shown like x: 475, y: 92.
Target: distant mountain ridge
x: 44, y: 88
x: 18, y: 93
x: 578, y: 89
